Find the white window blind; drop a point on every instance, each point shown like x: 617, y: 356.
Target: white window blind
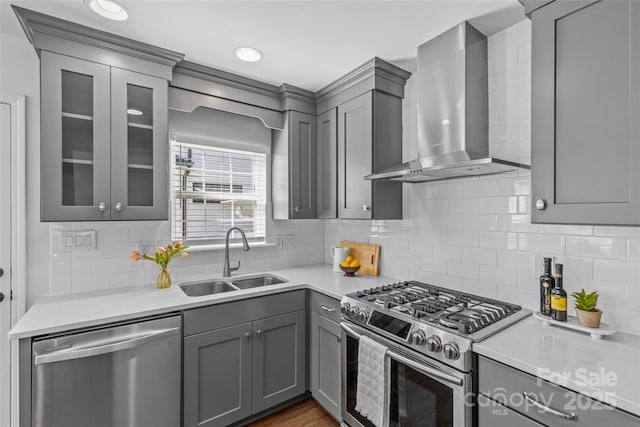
x: 215, y: 189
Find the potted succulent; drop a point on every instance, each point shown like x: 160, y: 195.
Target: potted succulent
x: 588, y: 314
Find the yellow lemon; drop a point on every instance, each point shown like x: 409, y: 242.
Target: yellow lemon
x: 344, y: 264
x: 355, y: 263
x: 348, y: 260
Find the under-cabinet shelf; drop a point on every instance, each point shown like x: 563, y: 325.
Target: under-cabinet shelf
x: 139, y: 125
x: 77, y: 116
x: 78, y: 161
x: 136, y: 166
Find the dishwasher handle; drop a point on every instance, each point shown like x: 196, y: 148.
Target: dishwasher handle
x: 69, y: 353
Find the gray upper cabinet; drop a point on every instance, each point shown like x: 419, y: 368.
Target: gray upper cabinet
x: 139, y: 146
x: 294, y: 163
x: 328, y: 164
x: 75, y: 144
x: 586, y: 104
x: 104, y: 144
x: 369, y: 140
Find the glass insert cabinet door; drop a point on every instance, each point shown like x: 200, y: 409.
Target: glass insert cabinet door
x: 75, y: 139
x: 139, y: 146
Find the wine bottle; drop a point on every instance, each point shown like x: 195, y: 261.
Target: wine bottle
x: 559, y: 298
x: 547, y: 283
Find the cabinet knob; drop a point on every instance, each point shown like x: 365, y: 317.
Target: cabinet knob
x: 297, y: 209
x: 1, y: 297
x: 365, y: 208
x: 119, y: 207
x: 259, y: 332
x: 339, y: 338
x: 102, y: 207
x: 541, y: 204
x: 1, y: 272
x: 247, y: 334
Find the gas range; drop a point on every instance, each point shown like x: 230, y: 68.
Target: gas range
x: 434, y: 321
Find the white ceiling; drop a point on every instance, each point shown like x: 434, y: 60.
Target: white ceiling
x: 306, y: 43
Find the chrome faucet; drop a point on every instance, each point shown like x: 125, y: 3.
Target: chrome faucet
x: 226, y: 272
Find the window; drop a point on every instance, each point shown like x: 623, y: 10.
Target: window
x: 215, y: 189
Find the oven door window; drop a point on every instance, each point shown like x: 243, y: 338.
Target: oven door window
x: 415, y: 399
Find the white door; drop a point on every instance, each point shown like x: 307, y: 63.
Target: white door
x: 5, y: 262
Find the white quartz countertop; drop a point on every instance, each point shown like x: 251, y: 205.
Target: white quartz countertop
x: 65, y: 312
x: 606, y: 369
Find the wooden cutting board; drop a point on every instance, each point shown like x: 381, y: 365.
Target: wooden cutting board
x: 368, y: 255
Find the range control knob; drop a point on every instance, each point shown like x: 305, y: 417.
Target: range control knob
x: 345, y: 307
x: 363, y: 315
x: 451, y: 351
x: 434, y: 344
x: 418, y: 337
x: 353, y: 311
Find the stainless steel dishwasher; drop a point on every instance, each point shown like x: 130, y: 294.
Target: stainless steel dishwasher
x: 125, y: 375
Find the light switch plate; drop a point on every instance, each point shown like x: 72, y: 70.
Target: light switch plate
x: 146, y: 247
x: 75, y: 241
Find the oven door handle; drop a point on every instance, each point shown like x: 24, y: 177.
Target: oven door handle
x: 423, y: 369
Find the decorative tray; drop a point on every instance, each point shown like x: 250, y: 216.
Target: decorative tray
x: 572, y: 323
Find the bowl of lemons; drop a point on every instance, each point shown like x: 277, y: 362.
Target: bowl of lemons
x: 350, y: 266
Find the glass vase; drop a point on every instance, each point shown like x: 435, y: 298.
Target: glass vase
x: 164, y: 278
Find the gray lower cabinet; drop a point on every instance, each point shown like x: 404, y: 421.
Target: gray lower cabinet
x: 324, y: 358
x: 294, y: 168
x: 530, y: 401
x: 104, y: 145
x: 493, y: 414
x: 328, y: 164
x: 279, y: 359
x: 325, y: 363
x: 243, y: 357
x: 585, y: 109
x: 369, y: 140
x: 217, y: 376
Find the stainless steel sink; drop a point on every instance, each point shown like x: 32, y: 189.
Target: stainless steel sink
x: 208, y: 287
x: 257, y: 281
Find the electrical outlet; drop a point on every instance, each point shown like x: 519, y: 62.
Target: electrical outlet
x: 289, y: 241
x: 278, y: 238
x: 146, y: 247
x: 74, y: 241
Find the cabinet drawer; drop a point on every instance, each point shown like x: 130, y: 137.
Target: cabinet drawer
x: 227, y: 314
x: 493, y: 414
x: 325, y: 306
x: 508, y: 386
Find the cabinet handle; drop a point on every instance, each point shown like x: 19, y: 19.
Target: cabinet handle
x: 339, y: 338
x: 365, y: 208
x: 102, y: 207
x: 541, y: 204
x: 259, y: 332
x: 119, y: 207
x: 541, y: 407
x: 325, y: 308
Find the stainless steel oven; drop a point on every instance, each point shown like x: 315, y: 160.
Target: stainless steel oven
x: 423, y: 391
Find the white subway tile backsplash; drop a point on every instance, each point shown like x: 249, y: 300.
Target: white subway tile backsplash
x: 617, y: 271
x: 488, y: 290
x: 500, y: 275
x: 597, y: 247
x: 462, y: 269
x: 480, y: 255
x: 463, y: 237
x: 633, y: 250
x: 543, y: 243
x: 518, y: 260
x: 480, y: 222
x: 447, y: 252
x: 499, y: 240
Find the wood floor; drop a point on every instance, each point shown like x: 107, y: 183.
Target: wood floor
x: 306, y: 413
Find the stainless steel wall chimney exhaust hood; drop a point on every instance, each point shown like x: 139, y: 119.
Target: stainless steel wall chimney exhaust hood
x: 453, y: 111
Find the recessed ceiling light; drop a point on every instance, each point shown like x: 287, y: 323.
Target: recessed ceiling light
x: 134, y: 112
x: 248, y: 54
x: 109, y: 9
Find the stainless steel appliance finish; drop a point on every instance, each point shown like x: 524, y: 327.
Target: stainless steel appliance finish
x: 428, y: 331
x: 126, y: 375
x: 453, y: 111
x: 422, y: 391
